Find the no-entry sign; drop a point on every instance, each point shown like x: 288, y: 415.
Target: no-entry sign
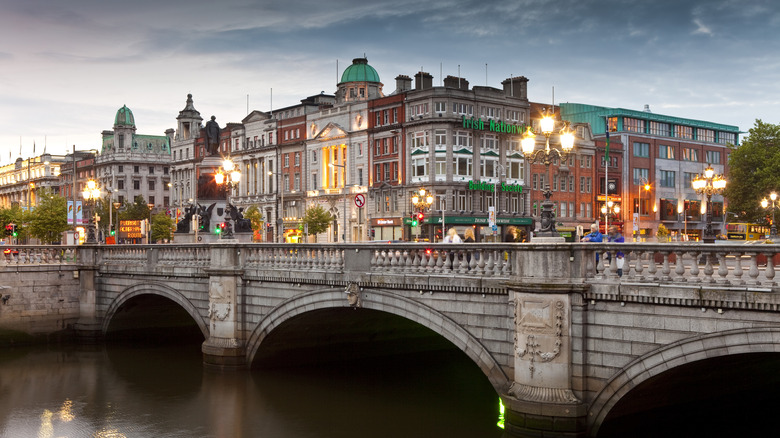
x: 360, y: 200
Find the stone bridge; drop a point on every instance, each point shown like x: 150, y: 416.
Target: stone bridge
x: 560, y: 336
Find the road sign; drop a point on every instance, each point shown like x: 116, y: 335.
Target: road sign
x: 360, y: 200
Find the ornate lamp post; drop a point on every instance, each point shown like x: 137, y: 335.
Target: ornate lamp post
x: 709, y: 184
x: 90, y: 194
x: 229, y: 175
x: 610, y: 209
x: 771, y: 203
x: 545, y: 156
x: 421, y: 203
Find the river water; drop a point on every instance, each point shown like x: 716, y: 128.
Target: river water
x: 140, y: 391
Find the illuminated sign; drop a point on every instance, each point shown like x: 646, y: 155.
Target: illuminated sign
x: 492, y: 126
x: 488, y: 187
x: 129, y: 230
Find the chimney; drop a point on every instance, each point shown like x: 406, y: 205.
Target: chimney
x: 423, y: 81
x: 403, y: 83
x: 456, y: 82
x: 516, y: 87
x: 647, y: 108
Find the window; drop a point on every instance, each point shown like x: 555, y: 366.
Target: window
x: 420, y: 166
x: 463, y: 165
x: 314, y: 180
x: 727, y: 137
x: 514, y: 169
x: 440, y: 107
x: 151, y: 170
x: 441, y: 164
x: 463, y: 139
x: 440, y: 138
x: 120, y: 184
x: 377, y: 147
x: 666, y: 152
x: 165, y: 170
x: 136, y: 184
x: 488, y: 167
x: 633, y: 125
x: 378, y: 172
x: 297, y: 158
x: 490, y: 142
x: 713, y: 157
x: 136, y: 169
x: 705, y: 135
x: 360, y: 176
x: 690, y: 154
x: 535, y: 180
x: 586, y: 184
x: 641, y: 149
x: 667, y: 178
x: 640, y: 175
x: 286, y: 160
x: 386, y: 168
x: 683, y: 131
x: 151, y: 199
x: 571, y: 185
x: 151, y: 184
x: 297, y: 182
x: 419, y: 139
x: 314, y: 156
x: 687, y: 178
x: 658, y: 128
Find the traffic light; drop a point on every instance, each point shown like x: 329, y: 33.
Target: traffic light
x: 420, y: 217
x: 220, y: 228
x: 9, y: 229
x: 414, y: 220
x: 113, y: 230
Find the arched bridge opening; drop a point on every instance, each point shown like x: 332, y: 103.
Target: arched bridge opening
x: 151, y: 317
x: 731, y: 395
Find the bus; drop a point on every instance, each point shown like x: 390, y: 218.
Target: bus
x: 746, y: 231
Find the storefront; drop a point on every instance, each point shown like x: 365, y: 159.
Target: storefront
x: 386, y: 229
x: 431, y: 228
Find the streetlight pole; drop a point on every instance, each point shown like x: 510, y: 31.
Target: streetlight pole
x: 422, y: 202
x: 765, y: 204
x: 545, y: 156
x: 230, y: 176
x: 280, y: 207
x: 89, y: 194
x: 709, y: 184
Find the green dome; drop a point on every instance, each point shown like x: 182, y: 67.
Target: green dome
x: 124, y: 117
x: 360, y: 71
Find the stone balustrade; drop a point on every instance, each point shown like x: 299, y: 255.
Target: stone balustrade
x: 725, y: 265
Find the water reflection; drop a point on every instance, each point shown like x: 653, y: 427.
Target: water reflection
x: 128, y: 391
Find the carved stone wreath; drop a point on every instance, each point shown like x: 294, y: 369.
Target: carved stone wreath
x: 532, y: 346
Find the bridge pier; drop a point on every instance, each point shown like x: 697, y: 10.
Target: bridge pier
x: 225, y: 346
x: 89, y: 327
x: 541, y: 401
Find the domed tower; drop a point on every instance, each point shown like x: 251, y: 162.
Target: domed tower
x: 189, y: 121
x: 359, y: 82
x: 124, y: 128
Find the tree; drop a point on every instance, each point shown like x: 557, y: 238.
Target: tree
x: 162, y: 226
x: 48, y: 220
x: 317, y: 219
x: 137, y: 211
x: 256, y: 218
x: 754, y: 171
x: 14, y: 215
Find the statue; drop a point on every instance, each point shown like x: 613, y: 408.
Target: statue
x: 183, y: 226
x: 204, y: 216
x: 212, y: 136
x: 243, y: 225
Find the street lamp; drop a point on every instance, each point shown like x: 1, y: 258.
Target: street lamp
x: 149, y: 228
x: 643, y: 183
x: 90, y: 194
x: 765, y: 204
x: 709, y: 184
x: 610, y: 209
x: 422, y: 200
x: 545, y: 156
x: 229, y: 175
x: 344, y: 231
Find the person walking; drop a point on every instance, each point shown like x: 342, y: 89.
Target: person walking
x: 594, y: 236
x: 452, y: 236
x: 468, y: 236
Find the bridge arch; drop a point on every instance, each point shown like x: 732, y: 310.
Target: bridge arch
x: 707, y: 346
x: 154, y: 289
x: 390, y: 303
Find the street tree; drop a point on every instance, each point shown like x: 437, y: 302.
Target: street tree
x: 162, y: 227
x: 754, y: 172
x: 317, y: 219
x: 48, y: 220
x: 138, y: 210
x: 14, y: 215
x: 256, y: 218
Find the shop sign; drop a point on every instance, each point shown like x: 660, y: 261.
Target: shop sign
x: 385, y: 222
x: 129, y: 230
x: 492, y: 126
x: 488, y: 187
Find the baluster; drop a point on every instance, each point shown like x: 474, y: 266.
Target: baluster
x: 638, y: 265
x: 481, y: 263
x: 708, y: 269
x: 680, y: 267
x: 490, y: 263
x: 738, y: 269
x: 665, y: 270
x: 505, y: 265
x: 753, y: 269
x: 652, y: 267
x: 723, y: 270
x: 769, y: 272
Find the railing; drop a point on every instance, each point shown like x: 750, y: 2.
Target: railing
x: 38, y: 255
x: 723, y: 265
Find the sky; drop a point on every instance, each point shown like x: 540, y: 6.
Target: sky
x: 66, y: 67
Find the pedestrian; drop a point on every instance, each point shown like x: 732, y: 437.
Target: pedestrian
x: 615, y: 236
x: 594, y: 235
x: 468, y: 236
x: 452, y: 236
x: 511, y: 234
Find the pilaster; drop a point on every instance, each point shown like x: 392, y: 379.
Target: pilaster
x: 225, y: 347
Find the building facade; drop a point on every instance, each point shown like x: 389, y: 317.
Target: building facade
x: 663, y: 153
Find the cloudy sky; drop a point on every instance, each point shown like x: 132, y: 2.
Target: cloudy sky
x: 67, y: 66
